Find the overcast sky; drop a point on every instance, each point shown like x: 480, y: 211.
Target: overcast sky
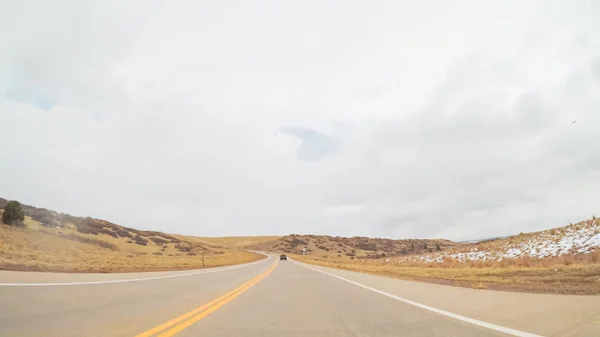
x: 396, y: 119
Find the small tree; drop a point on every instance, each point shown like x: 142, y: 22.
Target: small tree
x: 13, y: 214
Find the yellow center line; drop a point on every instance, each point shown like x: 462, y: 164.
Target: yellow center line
x: 197, y: 314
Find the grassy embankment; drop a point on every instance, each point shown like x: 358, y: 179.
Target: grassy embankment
x: 39, y: 248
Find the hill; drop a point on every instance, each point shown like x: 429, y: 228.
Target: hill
x: 559, y: 260
x: 564, y: 260
x: 351, y: 248
x: 53, y: 241
x: 575, y: 240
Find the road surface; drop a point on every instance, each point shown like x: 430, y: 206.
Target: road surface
x: 265, y: 298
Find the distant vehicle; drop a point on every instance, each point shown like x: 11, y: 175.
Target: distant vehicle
x: 283, y: 257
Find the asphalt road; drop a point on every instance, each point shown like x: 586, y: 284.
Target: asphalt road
x: 267, y: 298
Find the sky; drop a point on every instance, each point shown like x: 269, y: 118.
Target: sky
x: 399, y: 119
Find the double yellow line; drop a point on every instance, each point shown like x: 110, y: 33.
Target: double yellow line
x: 177, y: 324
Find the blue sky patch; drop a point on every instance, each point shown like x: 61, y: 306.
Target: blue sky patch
x: 21, y: 90
x: 315, y: 145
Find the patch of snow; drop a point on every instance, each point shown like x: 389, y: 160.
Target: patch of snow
x: 582, y: 238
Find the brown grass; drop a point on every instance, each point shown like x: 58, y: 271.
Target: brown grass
x: 478, y: 285
x: 236, y: 241
x: 525, y: 262
x: 568, y: 275
x: 79, y: 238
x: 65, y: 250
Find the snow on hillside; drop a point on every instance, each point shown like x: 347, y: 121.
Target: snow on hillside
x: 581, y: 238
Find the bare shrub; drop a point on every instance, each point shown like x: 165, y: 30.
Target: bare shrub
x: 84, y: 229
x: 91, y: 241
x: 158, y: 240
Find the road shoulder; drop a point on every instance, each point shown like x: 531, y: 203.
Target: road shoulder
x: 549, y: 315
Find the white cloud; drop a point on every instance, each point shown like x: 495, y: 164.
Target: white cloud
x: 449, y: 120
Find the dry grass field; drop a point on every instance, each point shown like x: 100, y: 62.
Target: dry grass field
x: 237, y: 241
x: 65, y: 249
x: 579, y: 278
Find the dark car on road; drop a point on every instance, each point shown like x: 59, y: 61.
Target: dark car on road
x: 283, y: 257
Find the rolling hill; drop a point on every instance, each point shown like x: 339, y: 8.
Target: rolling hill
x: 53, y: 241
x: 576, y: 240
x: 351, y: 247
x: 558, y: 260
x: 563, y: 260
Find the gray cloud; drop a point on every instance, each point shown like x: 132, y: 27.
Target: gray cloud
x: 595, y: 67
x: 175, y: 116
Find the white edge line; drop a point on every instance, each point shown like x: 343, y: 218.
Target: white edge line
x: 487, y: 325
x: 129, y: 280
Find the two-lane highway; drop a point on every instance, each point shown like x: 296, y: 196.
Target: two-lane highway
x: 110, y: 304
x: 265, y: 298
x: 297, y: 301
